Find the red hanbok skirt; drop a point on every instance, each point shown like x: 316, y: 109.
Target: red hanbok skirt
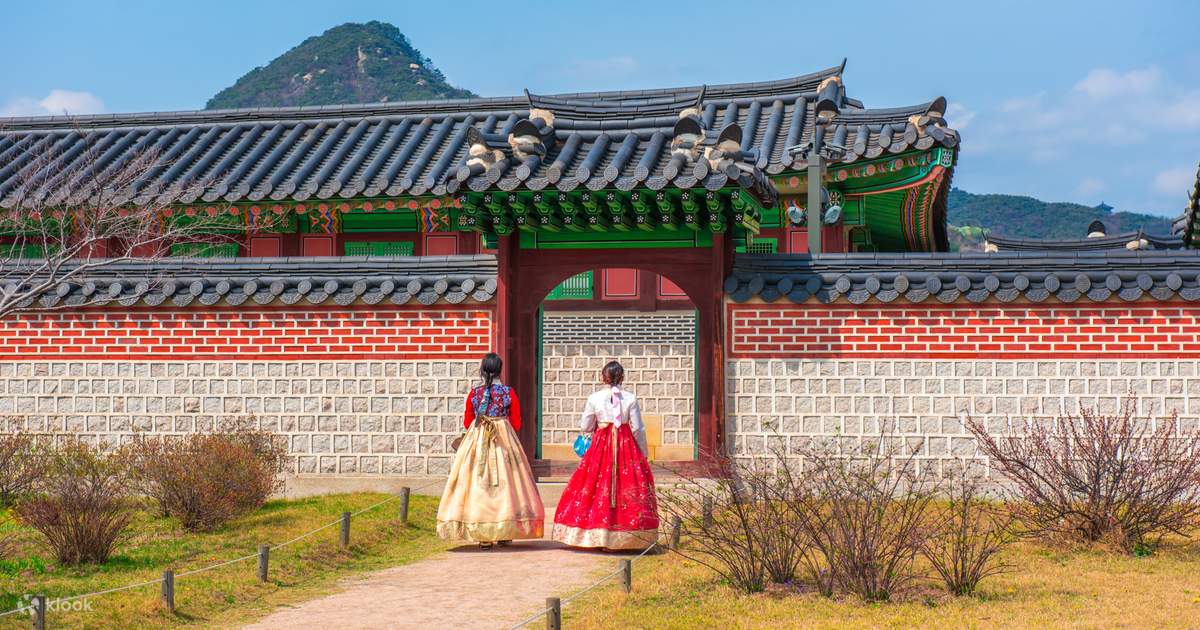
x: 587, y: 515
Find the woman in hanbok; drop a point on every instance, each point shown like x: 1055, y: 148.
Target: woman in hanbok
x: 609, y: 501
x: 490, y: 496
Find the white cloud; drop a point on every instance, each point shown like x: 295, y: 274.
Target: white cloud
x: 958, y: 116
x: 1102, y: 83
x: 1174, y: 182
x: 57, y: 103
x: 1183, y: 111
x: 1089, y: 186
x: 1023, y: 103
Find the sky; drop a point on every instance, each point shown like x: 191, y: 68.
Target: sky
x: 1062, y: 100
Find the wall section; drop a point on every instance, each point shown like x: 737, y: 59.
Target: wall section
x: 355, y: 390
x: 798, y: 372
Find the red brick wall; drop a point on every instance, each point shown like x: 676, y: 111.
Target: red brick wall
x: 1112, y: 331
x: 249, y: 333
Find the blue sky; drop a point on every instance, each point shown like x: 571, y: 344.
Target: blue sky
x: 1066, y: 101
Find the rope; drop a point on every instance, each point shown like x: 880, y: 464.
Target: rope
x: 602, y: 580
x: 579, y: 593
x: 220, y: 564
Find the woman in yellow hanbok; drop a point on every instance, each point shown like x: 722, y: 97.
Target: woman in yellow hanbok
x: 491, y: 496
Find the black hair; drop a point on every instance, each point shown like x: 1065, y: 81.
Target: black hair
x: 612, y: 374
x: 489, y: 368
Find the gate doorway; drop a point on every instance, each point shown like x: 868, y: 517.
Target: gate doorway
x: 527, y: 276
x: 638, y: 318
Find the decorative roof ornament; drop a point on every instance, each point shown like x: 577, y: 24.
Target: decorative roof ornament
x: 687, y: 138
x: 829, y: 98
x: 481, y: 155
x: 532, y: 136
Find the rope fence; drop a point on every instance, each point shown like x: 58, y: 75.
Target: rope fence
x: 553, y: 608
x: 623, y: 567
x: 344, y: 521
x: 554, y: 605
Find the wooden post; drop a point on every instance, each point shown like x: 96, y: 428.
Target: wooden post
x: 264, y: 560
x: 39, y: 612
x: 345, y: 538
x: 403, y: 516
x: 554, y: 614
x: 627, y: 575
x: 168, y: 590
x: 708, y: 512
x: 676, y: 531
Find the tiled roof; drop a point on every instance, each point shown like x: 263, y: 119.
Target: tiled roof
x: 597, y: 140
x: 179, y: 282
x: 1116, y: 241
x: 971, y: 277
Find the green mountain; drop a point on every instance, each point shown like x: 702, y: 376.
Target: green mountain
x: 971, y: 216
x: 351, y: 63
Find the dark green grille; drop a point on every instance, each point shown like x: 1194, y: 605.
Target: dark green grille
x: 205, y: 250
x: 372, y: 248
x: 759, y: 246
x: 574, y: 288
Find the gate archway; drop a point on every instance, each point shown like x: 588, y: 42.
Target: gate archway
x: 526, y: 276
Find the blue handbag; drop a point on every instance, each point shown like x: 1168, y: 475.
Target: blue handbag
x: 582, y: 443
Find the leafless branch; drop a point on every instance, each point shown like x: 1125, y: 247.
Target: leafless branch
x: 70, y: 210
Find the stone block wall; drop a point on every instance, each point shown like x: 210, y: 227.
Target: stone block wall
x: 372, y: 391
x: 658, y: 353
x: 838, y: 372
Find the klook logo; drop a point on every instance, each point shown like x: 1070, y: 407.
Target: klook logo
x: 55, y: 605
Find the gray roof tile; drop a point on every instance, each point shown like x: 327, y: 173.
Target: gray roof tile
x: 416, y: 148
x: 975, y: 277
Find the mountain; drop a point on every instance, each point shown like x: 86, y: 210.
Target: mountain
x: 971, y: 216
x: 351, y: 63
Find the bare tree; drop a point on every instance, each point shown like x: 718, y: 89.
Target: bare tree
x: 1118, y: 479
x: 67, y: 214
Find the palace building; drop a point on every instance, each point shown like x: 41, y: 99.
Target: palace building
x: 363, y: 257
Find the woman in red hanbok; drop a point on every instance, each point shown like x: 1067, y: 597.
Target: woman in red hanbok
x: 609, y: 501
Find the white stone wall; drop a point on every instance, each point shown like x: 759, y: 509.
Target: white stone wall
x: 340, y: 417
x: 659, y: 368
x: 786, y: 403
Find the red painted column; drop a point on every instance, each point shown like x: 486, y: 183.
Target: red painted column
x: 506, y: 261
x: 516, y: 333
x: 712, y: 351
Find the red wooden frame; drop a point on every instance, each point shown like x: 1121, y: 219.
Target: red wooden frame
x: 526, y: 277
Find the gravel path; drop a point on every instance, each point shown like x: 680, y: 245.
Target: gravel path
x: 462, y: 588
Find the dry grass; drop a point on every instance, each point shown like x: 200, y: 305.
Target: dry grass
x: 230, y: 595
x: 1046, y: 588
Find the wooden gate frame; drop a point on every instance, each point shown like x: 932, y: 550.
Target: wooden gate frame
x: 526, y: 277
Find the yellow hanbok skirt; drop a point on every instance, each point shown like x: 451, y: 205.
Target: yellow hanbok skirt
x: 490, y: 495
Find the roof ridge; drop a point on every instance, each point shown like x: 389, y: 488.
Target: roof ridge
x: 478, y: 104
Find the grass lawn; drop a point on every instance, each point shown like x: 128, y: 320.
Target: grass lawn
x: 1046, y: 588
x: 231, y: 594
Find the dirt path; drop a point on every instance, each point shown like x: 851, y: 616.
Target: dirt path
x: 462, y: 588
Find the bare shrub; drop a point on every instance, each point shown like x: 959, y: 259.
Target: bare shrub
x: 967, y: 536
x: 21, y: 465
x: 864, y: 515
x: 81, y: 505
x: 207, y: 479
x: 1114, y: 479
x: 769, y: 485
x: 8, y: 543
x: 735, y: 523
